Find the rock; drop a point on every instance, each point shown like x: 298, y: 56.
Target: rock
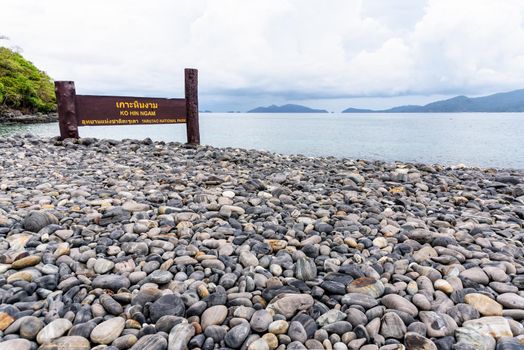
x: 475, y: 274
x: 259, y: 344
x: 215, y: 315
x: 151, y: 342
x: 415, y: 341
x: 169, y: 304
x: 278, y: 327
x: 363, y: 300
x: 5, y: 320
x: 288, y: 304
x: 443, y: 286
x: 110, y: 305
x: 437, y: 324
x: 271, y: 340
x: 495, y: 326
x: 396, y: 302
x: 15, y: 344
x: 330, y: 317
x: 113, y: 282
x: 236, y: 335
x: 472, y: 337
x: 103, y: 266
x: 297, y: 332
x: 216, y: 332
x: 30, y: 327
x: 108, y: 331
x: 463, y: 312
x: 511, y: 300
x: 366, y: 285
x: 180, y: 336
x: 260, y: 321
x: 53, y: 330
x: 485, y: 305
x: 160, y: 277
x: 248, y: 259
x: 125, y: 341
x: 509, y: 344
x: 134, y: 206
x: 68, y: 343
x: 37, y: 220
x: 26, y: 262
x: 424, y: 254
x: 305, y: 269
x: 392, y: 326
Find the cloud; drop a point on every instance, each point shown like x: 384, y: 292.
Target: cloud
x: 275, y: 49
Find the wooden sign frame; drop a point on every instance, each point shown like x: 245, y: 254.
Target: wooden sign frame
x: 75, y: 110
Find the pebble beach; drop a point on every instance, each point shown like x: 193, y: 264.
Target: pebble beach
x: 145, y: 245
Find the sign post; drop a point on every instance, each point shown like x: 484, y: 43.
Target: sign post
x: 75, y: 111
x: 191, y: 84
x: 65, y: 99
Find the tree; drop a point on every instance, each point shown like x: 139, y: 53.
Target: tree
x: 22, y: 85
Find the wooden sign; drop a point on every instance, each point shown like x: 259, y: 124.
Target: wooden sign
x: 86, y: 110
x: 113, y: 110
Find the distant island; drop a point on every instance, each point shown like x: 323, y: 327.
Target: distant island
x: 512, y: 101
x: 289, y: 108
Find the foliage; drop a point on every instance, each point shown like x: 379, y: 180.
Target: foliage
x: 23, y: 86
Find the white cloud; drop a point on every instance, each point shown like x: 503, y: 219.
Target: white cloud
x: 274, y: 49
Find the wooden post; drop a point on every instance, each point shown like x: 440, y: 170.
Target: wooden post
x: 191, y: 85
x: 65, y: 99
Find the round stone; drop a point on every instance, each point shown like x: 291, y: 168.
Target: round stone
x: 485, y: 305
x: 5, y: 320
x: 511, y: 301
x: 180, y: 336
x: 113, y: 282
x: 30, y: 327
x: 289, y: 304
x: 15, y: 344
x: 392, y: 326
x: 26, y: 262
x: 53, y: 330
x: 73, y: 342
x: 396, y: 302
x: 278, y: 327
x: 248, y: 259
x: 305, y: 269
x: 37, y: 220
x: 215, y: 315
x: 260, y: 320
x: 169, y: 304
x: 236, y: 335
x: 259, y: 344
x: 437, y: 324
x: 103, y: 266
x: 108, y: 331
x: 366, y: 285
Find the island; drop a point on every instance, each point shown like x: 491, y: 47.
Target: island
x: 288, y: 108
x: 512, y: 101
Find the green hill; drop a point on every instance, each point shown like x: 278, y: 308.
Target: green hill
x: 23, y: 86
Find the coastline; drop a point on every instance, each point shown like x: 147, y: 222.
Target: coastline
x: 140, y: 242
x: 10, y: 116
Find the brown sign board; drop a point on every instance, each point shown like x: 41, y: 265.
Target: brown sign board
x: 88, y: 110
x: 114, y: 110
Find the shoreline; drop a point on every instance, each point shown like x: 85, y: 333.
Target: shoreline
x: 138, y: 243
x: 11, y: 116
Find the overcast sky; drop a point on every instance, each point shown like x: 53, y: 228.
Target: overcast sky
x: 331, y: 54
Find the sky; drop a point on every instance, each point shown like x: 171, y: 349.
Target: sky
x: 324, y: 54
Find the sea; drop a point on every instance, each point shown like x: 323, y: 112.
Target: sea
x: 493, y: 140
